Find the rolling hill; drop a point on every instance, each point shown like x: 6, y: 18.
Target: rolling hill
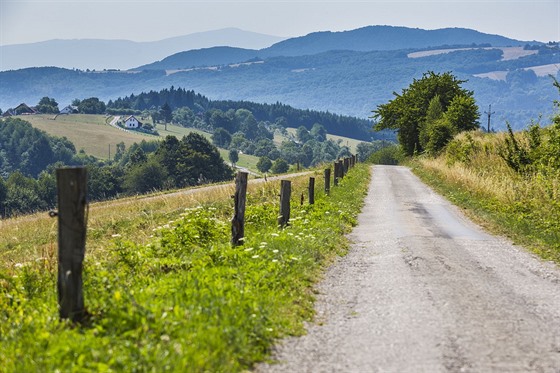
x: 345, y: 82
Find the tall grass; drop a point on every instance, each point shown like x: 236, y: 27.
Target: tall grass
x: 164, y: 288
x: 522, y: 202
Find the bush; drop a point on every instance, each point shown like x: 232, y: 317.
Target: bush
x: 391, y: 155
x: 264, y: 164
x: 280, y: 166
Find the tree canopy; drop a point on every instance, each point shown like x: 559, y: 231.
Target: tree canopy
x: 430, y: 111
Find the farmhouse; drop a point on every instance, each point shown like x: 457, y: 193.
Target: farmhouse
x: 21, y: 109
x: 132, y: 122
x: 70, y: 109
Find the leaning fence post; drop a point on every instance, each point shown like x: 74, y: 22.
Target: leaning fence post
x: 311, y: 190
x: 72, y: 221
x: 285, y: 194
x: 238, y: 221
x: 327, y: 181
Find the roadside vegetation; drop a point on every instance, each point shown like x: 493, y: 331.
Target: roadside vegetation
x: 508, y: 182
x: 181, y: 298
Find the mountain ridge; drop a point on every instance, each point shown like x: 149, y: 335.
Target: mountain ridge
x: 365, y: 39
x: 102, y: 54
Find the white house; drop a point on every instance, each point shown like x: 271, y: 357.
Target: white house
x: 132, y: 122
x: 70, y: 109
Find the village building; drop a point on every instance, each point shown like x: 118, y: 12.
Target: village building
x: 70, y: 109
x: 132, y: 122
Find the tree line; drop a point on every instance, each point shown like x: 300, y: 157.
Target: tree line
x: 202, y: 108
x: 29, y: 158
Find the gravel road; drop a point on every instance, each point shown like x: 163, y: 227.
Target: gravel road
x: 425, y: 290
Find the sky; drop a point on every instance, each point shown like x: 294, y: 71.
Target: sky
x: 28, y: 21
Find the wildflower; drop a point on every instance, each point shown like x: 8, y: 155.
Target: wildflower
x: 116, y: 235
x: 165, y: 338
x: 275, y: 251
x: 274, y: 234
x: 255, y: 256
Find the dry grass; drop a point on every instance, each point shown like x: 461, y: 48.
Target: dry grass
x: 87, y: 132
x: 34, y: 237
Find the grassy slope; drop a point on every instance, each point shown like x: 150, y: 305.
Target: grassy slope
x: 93, y: 135
x: 165, y: 289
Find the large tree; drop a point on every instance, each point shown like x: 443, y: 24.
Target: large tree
x: 47, y: 105
x: 407, y: 112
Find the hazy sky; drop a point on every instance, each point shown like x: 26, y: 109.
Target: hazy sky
x: 26, y: 21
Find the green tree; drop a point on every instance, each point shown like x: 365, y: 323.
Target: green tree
x: 407, y: 111
x: 145, y: 177
x: 92, y: 106
x: 303, y: 135
x: 318, y: 132
x: 3, y: 194
x: 166, y: 113
x: 221, y: 138
x: 264, y: 164
x: 462, y: 114
x: 47, y: 106
x: 233, y: 156
x: 434, y: 113
x: 279, y: 166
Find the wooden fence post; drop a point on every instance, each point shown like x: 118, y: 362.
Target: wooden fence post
x: 311, y: 190
x: 346, y: 165
x: 327, y: 181
x: 72, y: 221
x: 285, y: 195
x: 341, y: 172
x: 238, y: 221
x: 335, y: 174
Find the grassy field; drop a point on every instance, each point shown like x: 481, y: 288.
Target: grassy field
x: 92, y: 134
x: 87, y: 132
x: 164, y: 288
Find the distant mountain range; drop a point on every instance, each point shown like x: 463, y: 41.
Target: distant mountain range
x: 366, y: 39
x: 121, y: 54
x: 346, y: 73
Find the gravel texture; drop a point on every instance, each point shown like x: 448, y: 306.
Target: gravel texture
x: 425, y: 290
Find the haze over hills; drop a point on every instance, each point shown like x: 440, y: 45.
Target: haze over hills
x: 365, y: 39
x: 348, y: 82
x: 121, y: 54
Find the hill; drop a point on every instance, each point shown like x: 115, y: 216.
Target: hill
x: 366, y: 39
x: 121, y: 54
x: 345, y: 82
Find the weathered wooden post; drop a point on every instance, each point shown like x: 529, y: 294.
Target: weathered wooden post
x: 240, y: 197
x: 311, y: 190
x: 335, y: 174
x: 327, y: 181
x: 72, y: 221
x: 346, y: 165
x: 341, y: 171
x: 285, y: 195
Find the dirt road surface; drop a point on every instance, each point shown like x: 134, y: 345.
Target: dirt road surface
x: 425, y: 290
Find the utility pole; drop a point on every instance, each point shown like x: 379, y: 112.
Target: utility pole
x: 489, y: 113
